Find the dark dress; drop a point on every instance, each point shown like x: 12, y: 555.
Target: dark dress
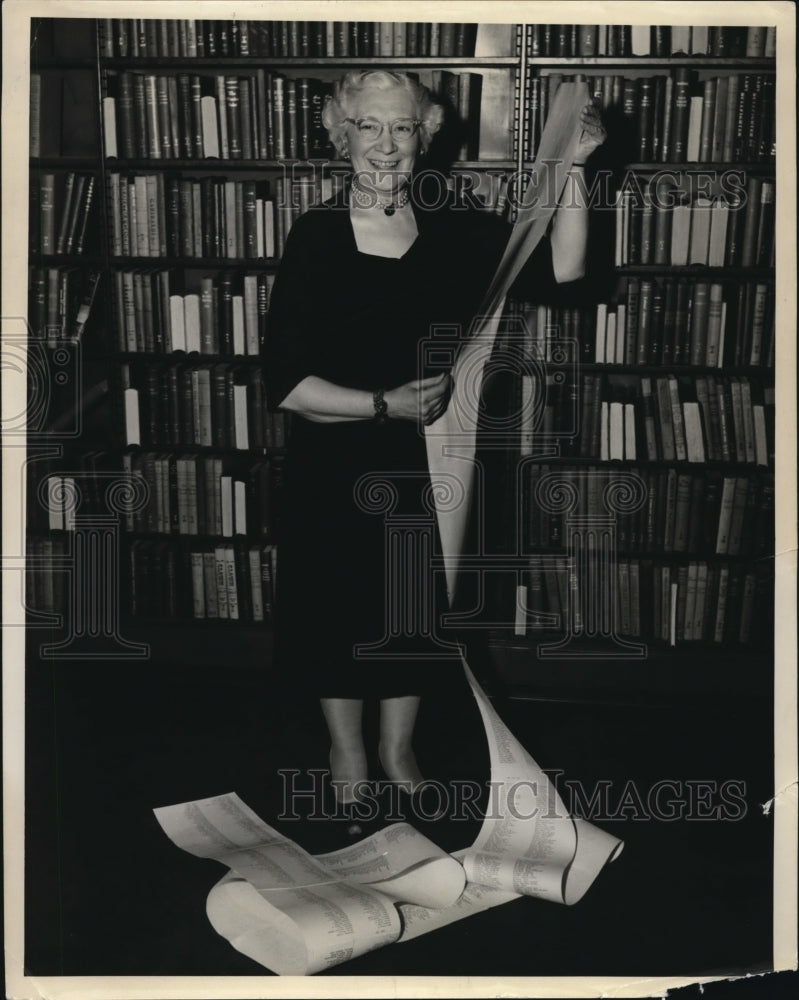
x: 358, y: 320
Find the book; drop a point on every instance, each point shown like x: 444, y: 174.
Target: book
x: 693, y: 142
x: 680, y: 115
x: 699, y: 239
x: 665, y: 419
x: 681, y: 218
x: 751, y: 224
x: 692, y: 419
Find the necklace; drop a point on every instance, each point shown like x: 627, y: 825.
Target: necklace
x: 367, y: 199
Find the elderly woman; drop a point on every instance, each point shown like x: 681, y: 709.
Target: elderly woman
x: 361, y: 281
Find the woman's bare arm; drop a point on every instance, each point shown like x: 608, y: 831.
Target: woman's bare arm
x: 322, y: 401
x: 569, y: 237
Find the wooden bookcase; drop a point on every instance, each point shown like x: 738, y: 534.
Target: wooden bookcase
x: 66, y: 257
x: 128, y: 342
x: 663, y: 597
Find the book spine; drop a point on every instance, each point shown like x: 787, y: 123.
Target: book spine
x: 644, y: 321
x: 699, y: 320
x: 153, y: 131
x: 665, y: 419
x: 708, y: 117
x: 678, y: 140
x: 680, y: 450
x: 278, y: 105
x: 166, y: 111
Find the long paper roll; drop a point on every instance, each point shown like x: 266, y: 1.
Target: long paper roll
x: 550, y: 854
x: 452, y: 439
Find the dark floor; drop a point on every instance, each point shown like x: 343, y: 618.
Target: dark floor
x: 108, y: 894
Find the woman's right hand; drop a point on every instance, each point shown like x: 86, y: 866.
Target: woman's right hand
x: 422, y: 399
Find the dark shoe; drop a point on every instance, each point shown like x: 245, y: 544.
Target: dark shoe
x: 346, y: 816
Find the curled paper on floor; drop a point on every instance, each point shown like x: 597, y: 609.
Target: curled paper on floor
x: 402, y: 863
x: 297, y: 914
x: 528, y: 844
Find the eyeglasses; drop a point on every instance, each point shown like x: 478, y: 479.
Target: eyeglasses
x: 372, y: 129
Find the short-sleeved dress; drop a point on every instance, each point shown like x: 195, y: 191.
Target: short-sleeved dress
x: 359, y: 321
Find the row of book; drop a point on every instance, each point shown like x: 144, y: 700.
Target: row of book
x: 717, y: 419
x: 231, y: 582
x: 168, y: 216
x: 697, y: 601
x: 727, y: 118
x: 185, y: 494
x: 664, y: 118
x: 702, y: 513
x: 60, y: 209
x: 205, y: 495
x: 651, y: 40
x: 153, y: 215
x: 131, y: 38
x: 207, y: 39
x: 672, y: 321
x: 175, y: 38
x: 56, y: 497
x: 225, y: 315
x: 164, y: 579
x: 63, y: 113
x: 246, y: 116
x: 711, y: 602
x: 717, y: 232
x: 242, y: 116
x: 667, y: 419
x: 207, y: 405
x: 654, y: 321
x: 673, y: 117
x: 157, y: 215
x: 61, y: 300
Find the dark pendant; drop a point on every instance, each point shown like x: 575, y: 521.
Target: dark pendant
x: 389, y: 210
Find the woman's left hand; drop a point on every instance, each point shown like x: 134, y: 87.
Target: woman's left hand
x: 592, y: 133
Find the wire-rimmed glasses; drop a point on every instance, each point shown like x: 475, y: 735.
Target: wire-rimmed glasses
x: 371, y: 129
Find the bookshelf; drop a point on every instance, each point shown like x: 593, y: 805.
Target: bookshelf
x: 66, y: 279
x: 665, y: 390
x: 205, y: 144
x: 192, y: 216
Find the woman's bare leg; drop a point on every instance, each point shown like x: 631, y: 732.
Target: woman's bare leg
x: 347, y: 753
x: 397, y: 720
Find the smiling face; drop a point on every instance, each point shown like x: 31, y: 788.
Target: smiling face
x: 386, y: 161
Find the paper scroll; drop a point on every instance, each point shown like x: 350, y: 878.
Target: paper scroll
x: 297, y: 914
x: 452, y: 439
